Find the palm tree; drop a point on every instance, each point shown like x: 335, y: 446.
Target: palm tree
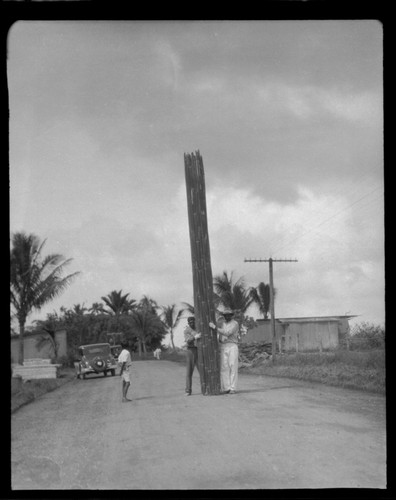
x: 96, y: 308
x: 148, y: 304
x: 34, y: 280
x: 170, y: 317
x: 67, y: 313
x: 146, y: 325
x: 262, y: 297
x: 49, y: 325
x: 230, y: 294
x: 118, y: 304
x: 79, y: 309
x: 188, y: 308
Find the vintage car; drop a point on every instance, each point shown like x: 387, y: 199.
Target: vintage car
x: 95, y: 358
x: 115, y: 351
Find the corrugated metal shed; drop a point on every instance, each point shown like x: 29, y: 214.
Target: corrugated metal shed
x: 302, y: 333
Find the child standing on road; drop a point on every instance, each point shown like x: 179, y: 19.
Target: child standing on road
x: 125, y: 361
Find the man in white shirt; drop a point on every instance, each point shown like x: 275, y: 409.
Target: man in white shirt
x: 157, y: 353
x: 229, y: 352
x: 125, y: 361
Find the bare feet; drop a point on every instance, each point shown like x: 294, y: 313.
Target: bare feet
x: 126, y: 400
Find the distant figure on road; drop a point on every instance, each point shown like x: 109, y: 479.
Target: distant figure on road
x: 157, y: 353
x: 191, y: 337
x: 228, y: 340
x: 125, y: 361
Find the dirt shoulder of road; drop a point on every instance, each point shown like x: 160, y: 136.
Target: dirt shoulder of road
x: 30, y: 390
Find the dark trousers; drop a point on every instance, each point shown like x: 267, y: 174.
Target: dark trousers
x: 192, y: 362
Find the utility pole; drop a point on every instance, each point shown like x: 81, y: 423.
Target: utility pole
x: 272, y: 305
x: 208, y: 348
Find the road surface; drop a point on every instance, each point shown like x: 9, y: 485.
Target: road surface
x: 273, y: 434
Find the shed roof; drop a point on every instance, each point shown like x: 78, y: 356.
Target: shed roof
x: 310, y: 319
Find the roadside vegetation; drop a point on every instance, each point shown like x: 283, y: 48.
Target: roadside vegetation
x: 361, y: 370
x: 358, y: 364
x: 349, y: 369
x: 360, y: 367
x: 35, y: 279
x: 23, y: 393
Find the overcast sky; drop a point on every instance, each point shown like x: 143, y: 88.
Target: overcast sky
x: 287, y: 115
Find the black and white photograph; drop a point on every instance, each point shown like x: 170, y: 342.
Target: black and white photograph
x: 197, y: 254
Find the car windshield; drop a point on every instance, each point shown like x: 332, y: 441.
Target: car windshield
x: 96, y: 350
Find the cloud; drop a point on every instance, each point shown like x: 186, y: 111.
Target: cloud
x: 317, y: 229
x: 308, y: 102
x: 364, y: 107
x: 333, y: 274
x: 169, y: 63
x: 215, y: 85
x: 288, y: 117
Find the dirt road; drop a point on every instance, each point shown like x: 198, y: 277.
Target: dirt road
x: 273, y: 434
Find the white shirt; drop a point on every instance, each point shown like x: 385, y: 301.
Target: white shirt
x: 229, y: 332
x: 125, y: 357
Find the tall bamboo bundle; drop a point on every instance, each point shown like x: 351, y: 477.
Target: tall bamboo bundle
x: 208, y: 348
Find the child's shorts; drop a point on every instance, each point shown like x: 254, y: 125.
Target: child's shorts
x: 126, y: 377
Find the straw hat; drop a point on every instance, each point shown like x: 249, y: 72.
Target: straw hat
x: 228, y: 312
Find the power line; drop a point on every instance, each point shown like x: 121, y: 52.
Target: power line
x: 342, y: 190
x: 329, y: 218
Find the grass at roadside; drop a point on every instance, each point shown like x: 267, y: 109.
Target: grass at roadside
x: 350, y: 369
x: 340, y: 375
x: 361, y: 370
x: 28, y: 391
x: 178, y: 355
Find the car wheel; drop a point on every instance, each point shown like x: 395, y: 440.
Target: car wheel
x: 98, y: 364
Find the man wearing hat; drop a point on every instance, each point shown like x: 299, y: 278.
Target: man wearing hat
x: 229, y: 352
x: 191, y: 337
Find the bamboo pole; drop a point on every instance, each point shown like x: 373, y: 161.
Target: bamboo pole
x: 208, y: 349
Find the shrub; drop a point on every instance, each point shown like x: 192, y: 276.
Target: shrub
x: 178, y: 355
x: 362, y: 359
x: 367, y: 336
x: 66, y: 360
x: 364, y: 370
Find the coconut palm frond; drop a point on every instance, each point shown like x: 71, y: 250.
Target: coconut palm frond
x: 34, y: 279
x: 118, y: 303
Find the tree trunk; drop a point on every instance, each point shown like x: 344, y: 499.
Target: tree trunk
x: 208, y: 349
x: 171, y: 338
x: 21, y: 354
x: 54, y: 343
